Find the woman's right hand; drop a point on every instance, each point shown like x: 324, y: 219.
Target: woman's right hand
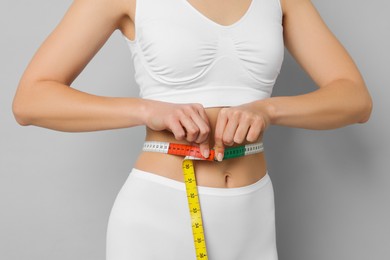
x: 186, y: 122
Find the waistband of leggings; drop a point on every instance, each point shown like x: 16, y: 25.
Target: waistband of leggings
x: 161, y: 180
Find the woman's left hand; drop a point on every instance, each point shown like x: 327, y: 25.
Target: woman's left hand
x: 238, y: 124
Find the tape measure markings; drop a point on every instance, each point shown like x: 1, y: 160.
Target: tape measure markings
x: 193, y: 153
x: 195, y: 210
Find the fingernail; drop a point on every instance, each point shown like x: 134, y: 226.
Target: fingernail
x: 219, y: 157
x: 206, y: 153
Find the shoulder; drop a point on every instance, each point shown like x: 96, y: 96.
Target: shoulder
x: 288, y: 5
x: 109, y: 8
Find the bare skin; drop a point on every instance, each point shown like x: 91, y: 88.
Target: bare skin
x: 229, y: 173
x: 44, y: 96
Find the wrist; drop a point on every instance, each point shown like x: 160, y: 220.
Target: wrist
x: 144, y: 111
x: 271, y: 110
x: 267, y: 108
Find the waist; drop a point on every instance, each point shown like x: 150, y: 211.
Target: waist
x: 230, y: 173
x: 236, y: 172
x: 193, y: 152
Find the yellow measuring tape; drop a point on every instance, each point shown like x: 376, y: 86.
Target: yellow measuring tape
x: 195, y: 211
x: 193, y: 153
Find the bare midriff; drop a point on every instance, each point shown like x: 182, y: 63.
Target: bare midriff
x: 229, y: 173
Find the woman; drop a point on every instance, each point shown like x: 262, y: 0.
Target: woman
x: 206, y: 71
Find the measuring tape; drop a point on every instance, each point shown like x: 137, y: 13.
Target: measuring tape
x: 190, y: 153
x: 194, y: 207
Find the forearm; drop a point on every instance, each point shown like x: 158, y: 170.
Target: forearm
x: 56, y: 106
x: 336, y: 105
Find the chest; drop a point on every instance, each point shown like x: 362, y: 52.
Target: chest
x: 178, y: 39
x: 222, y: 12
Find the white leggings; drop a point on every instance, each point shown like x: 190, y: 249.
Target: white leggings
x: 150, y: 220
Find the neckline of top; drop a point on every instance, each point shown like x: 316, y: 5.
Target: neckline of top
x: 242, y: 18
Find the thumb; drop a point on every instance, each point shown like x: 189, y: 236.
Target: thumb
x: 219, y: 150
x: 205, y: 149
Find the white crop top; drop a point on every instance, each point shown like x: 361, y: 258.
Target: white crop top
x: 181, y: 56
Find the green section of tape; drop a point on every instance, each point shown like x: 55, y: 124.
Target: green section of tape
x: 234, y: 152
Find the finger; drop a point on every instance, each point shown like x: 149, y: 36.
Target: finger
x: 254, y: 131
x: 205, y: 149
x: 203, y: 126
x: 190, y: 127
x: 219, y: 147
x: 202, y: 113
x: 201, y: 120
x: 229, y: 132
x: 177, y: 129
x: 203, y: 138
x: 241, y: 132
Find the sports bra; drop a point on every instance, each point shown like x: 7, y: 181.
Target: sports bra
x: 182, y: 56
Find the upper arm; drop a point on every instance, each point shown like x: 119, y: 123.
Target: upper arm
x: 83, y: 30
x: 314, y: 46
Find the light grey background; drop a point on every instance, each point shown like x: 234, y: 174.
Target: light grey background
x: 332, y: 188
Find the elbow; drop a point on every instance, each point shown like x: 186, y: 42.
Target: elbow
x: 20, y: 112
x: 364, y: 108
x: 21, y: 107
x: 365, y: 111
x: 361, y: 103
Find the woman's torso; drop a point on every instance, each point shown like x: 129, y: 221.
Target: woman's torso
x: 229, y: 173
x: 236, y: 172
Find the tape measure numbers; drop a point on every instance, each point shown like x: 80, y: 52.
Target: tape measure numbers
x: 193, y: 153
x: 195, y: 211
